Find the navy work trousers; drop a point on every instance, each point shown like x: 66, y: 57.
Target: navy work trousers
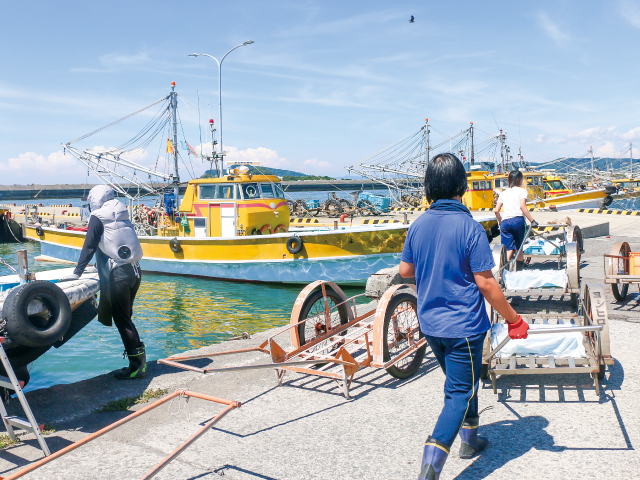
x: 461, y: 362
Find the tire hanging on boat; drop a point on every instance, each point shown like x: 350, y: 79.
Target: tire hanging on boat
x: 39, y: 231
x: 174, y: 245
x: 294, y: 244
x: 40, y: 328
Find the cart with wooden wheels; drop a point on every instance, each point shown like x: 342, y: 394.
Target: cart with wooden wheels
x: 330, y: 339
x: 590, y: 356
x: 621, y: 269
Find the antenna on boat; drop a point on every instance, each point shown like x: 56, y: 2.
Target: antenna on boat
x: 176, y: 178
x: 471, y: 158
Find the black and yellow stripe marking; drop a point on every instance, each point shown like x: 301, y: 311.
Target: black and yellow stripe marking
x: 410, y: 209
x: 304, y: 220
x: 607, y: 212
x: 377, y: 221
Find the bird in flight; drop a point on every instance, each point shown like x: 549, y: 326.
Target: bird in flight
x: 411, y: 20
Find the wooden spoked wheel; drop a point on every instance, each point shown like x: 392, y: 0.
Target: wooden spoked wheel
x: 401, y: 331
x: 595, y: 313
x: 315, y: 311
x: 499, y: 253
x: 574, y: 234
x: 619, y: 266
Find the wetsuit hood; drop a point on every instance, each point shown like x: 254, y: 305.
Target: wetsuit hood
x: 99, y: 195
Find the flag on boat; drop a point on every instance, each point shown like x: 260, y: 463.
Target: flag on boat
x: 169, y: 146
x: 189, y: 148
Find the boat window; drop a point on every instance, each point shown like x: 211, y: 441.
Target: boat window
x: 475, y: 186
x: 267, y: 191
x: 279, y: 192
x: 498, y: 183
x: 483, y: 185
x: 250, y: 190
x: 529, y: 181
x: 218, y: 192
x: 554, y: 185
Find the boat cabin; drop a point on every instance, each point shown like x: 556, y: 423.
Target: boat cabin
x: 554, y: 186
x: 534, y: 183
x: 236, y: 204
x: 480, y: 190
x: 626, y: 184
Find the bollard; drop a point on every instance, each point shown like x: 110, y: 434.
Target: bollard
x: 406, y: 220
x: 335, y: 224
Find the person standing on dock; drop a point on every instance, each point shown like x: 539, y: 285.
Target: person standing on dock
x: 113, y: 240
x: 512, y: 226
x: 448, y: 253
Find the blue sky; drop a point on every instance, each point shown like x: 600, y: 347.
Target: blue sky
x: 326, y: 83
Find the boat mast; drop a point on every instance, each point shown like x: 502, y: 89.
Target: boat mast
x: 471, y: 159
x: 592, y: 170
x: 426, y: 129
x: 504, y: 169
x: 631, y: 159
x: 176, y: 177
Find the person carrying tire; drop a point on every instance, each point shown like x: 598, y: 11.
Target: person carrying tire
x: 512, y: 226
x: 448, y: 253
x: 112, y: 239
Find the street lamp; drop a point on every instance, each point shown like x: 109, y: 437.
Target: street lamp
x: 248, y: 42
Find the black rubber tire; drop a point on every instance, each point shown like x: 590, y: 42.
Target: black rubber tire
x: 36, y: 330
x: 174, y: 245
x: 333, y: 208
x: 412, y: 367
x: 619, y: 293
x: 80, y: 318
x: 345, y: 204
x: 39, y: 231
x: 294, y: 244
x: 311, y: 300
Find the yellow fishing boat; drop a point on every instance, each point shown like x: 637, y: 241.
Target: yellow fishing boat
x: 554, y: 186
x: 237, y: 228
x: 626, y: 185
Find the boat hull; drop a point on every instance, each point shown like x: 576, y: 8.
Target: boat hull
x: 348, y: 255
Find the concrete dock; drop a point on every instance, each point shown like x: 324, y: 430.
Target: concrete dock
x: 539, y: 426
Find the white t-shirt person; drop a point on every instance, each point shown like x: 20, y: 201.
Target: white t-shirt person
x: 510, y: 200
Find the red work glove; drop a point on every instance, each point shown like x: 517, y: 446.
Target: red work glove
x: 518, y: 329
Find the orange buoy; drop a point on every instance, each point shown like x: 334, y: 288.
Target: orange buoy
x: 280, y: 228
x: 266, y: 228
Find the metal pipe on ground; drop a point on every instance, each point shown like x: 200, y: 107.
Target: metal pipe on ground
x: 231, y: 404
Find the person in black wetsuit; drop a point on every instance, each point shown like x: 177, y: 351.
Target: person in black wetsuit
x: 112, y: 239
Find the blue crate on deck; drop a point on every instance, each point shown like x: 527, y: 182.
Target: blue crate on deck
x: 312, y: 204
x: 383, y: 203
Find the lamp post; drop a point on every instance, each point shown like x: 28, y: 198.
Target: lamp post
x: 248, y: 42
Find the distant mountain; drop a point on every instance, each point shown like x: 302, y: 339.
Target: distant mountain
x: 287, y: 175
x: 566, y: 165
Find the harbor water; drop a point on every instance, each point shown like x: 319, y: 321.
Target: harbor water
x: 172, y: 314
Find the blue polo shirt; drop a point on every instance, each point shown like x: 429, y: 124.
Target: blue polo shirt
x: 446, y: 248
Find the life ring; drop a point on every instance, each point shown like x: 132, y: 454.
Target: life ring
x: 294, y: 244
x: 174, y: 245
x: 265, y: 228
x: 36, y: 330
x: 39, y: 231
x: 280, y: 228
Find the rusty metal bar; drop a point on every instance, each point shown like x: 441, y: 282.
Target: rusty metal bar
x: 230, y: 405
x: 169, y: 458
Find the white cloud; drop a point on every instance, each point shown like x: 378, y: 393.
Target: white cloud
x: 594, y: 134
x: 553, y: 30
x: 30, y: 168
x: 541, y: 138
x: 630, y: 11
x: 607, y: 150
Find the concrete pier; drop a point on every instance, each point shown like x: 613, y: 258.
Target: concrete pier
x: 551, y: 426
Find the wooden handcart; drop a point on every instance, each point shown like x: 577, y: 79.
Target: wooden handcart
x: 621, y: 270
x: 591, y: 320
x: 329, y: 339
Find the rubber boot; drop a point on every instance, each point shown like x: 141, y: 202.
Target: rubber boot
x: 137, y: 365
x: 433, y: 458
x: 519, y: 265
x: 472, y: 443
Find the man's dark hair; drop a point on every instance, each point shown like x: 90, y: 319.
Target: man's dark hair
x: 515, y: 178
x: 445, y: 178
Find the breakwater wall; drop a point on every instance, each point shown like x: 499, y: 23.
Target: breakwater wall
x: 33, y: 192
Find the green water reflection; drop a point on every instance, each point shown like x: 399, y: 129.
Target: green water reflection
x: 171, y: 313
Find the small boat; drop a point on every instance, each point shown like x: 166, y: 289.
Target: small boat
x: 40, y: 313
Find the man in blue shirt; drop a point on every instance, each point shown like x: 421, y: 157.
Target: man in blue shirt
x: 448, y: 253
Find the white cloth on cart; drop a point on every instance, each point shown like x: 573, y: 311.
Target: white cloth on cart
x: 527, y: 279
x: 560, y: 345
